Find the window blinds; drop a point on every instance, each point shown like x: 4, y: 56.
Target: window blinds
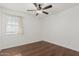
x: 13, y: 24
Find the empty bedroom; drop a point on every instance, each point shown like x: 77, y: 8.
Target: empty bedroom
x: 39, y: 29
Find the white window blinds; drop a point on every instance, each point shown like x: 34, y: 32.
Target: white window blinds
x: 13, y: 24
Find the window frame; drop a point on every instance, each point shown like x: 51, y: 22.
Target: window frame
x: 20, y: 25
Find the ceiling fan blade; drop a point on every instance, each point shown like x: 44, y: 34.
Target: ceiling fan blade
x: 36, y: 14
x: 45, y: 12
x: 31, y: 10
x: 35, y: 4
x: 47, y: 7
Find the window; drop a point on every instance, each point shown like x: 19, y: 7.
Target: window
x: 13, y: 24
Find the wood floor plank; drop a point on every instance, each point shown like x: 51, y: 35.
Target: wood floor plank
x: 40, y: 48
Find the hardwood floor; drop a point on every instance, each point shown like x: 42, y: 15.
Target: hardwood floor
x: 40, y: 48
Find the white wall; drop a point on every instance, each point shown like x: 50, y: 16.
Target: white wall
x: 63, y: 28
x: 31, y: 31
x: 0, y: 31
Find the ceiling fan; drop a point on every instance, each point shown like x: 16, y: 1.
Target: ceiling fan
x: 39, y: 8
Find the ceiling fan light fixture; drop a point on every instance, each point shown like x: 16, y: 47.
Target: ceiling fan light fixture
x: 39, y: 11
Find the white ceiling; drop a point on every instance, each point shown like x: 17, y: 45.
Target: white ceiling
x: 57, y: 7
